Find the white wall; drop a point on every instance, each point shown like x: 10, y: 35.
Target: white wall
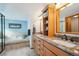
x: 37, y: 25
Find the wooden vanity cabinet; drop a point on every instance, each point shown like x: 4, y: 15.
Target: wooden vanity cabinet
x: 38, y: 46
x: 55, y: 50
x: 48, y: 17
x: 44, y: 48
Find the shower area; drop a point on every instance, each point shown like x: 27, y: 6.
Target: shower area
x: 2, y: 33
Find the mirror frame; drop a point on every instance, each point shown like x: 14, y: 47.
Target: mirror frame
x: 58, y: 20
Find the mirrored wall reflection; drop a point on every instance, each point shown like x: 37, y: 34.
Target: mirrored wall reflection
x: 72, y: 23
x: 69, y: 18
x: 2, y: 32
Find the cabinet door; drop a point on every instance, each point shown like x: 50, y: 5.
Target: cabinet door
x: 40, y: 47
x: 41, y: 51
x: 37, y: 47
x: 48, y: 52
x: 33, y: 43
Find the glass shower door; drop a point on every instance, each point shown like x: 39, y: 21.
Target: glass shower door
x: 2, y: 33
x: 0, y: 36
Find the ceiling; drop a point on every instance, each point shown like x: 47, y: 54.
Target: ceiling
x: 21, y: 11
x: 70, y: 10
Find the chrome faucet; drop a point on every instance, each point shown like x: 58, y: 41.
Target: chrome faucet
x: 67, y: 37
x: 64, y: 37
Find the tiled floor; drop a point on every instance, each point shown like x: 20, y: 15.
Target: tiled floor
x: 25, y: 51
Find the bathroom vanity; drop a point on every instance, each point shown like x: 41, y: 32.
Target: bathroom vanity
x: 57, y: 21
x: 45, y: 46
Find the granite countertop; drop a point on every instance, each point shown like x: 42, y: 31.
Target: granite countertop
x: 71, y: 50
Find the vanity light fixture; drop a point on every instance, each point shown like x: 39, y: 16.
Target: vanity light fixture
x: 76, y: 16
x: 69, y: 4
x: 61, y: 6
x: 58, y: 5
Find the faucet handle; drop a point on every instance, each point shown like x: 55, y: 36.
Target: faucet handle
x: 70, y: 38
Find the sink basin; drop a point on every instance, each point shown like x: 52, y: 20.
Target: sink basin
x: 65, y: 43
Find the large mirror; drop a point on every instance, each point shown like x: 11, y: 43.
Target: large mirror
x: 69, y: 19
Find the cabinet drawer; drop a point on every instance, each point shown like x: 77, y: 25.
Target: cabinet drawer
x: 48, y: 52
x: 42, y: 52
x: 55, y: 50
x: 40, y: 41
x: 41, y: 46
